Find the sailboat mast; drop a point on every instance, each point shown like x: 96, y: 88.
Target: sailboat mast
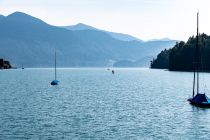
x: 55, y: 66
x: 194, y: 83
x: 197, y: 52
x: 196, y: 68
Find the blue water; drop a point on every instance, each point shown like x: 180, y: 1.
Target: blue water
x: 94, y: 104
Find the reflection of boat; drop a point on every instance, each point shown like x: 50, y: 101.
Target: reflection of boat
x: 200, y: 99
x: 55, y: 82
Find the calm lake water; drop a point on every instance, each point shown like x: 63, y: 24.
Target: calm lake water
x: 94, y: 104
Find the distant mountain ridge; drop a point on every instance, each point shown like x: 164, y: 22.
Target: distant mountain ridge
x: 161, y: 39
x: 80, y: 26
x: 119, y: 36
x: 30, y: 41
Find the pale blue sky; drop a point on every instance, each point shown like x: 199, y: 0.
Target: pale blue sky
x: 145, y: 19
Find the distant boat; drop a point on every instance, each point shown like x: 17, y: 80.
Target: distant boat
x: 112, y: 71
x: 200, y: 99
x: 55, y: 82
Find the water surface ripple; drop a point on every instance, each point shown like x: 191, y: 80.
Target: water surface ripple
x: 94, y: 104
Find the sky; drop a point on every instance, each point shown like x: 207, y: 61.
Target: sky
x: 145, y: 19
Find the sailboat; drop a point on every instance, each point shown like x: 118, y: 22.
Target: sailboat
x: 22, y: 66
x: 200, y: 99
x: 55, y: 82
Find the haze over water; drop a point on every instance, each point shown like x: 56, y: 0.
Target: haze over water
x: 94, y: 104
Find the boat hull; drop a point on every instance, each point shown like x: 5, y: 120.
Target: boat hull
x: 54, y: 82
x: 199, y: 104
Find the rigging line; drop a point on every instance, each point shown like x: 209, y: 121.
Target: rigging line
x: 202, y: 66
x: 194, y: 76
x: 203, y: 63
x: 55, y: 66
x: 196, y: 66
x: 200, y: 59
x: 197, y: 53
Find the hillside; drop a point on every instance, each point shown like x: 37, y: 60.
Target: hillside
x: 182, y: 56
x: 30, y: 41
x: 119, y: 36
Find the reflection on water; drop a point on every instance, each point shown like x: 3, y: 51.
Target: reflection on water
x: 95, y: 104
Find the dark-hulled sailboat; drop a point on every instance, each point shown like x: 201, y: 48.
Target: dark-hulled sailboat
x: 55, y: 82
x: 200, y: 99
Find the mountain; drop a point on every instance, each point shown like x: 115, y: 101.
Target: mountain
x: 162, y: 39
x: 80, y: 26
x: 123, y: 37
x: 143, y: 62
x: 182, y: 56
x: 119, y: 36
x: 30, y: 41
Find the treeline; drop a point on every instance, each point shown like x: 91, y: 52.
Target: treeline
x: 182, y: 56
x: 4, y: 64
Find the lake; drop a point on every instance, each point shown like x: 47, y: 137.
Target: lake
x: 92, y: 103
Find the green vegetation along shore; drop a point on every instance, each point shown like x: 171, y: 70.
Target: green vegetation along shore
x: 4, y: 64
x: 181, y: 57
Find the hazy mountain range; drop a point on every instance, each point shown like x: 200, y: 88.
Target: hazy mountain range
x: 30, y: 41
x: 119, y: 36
